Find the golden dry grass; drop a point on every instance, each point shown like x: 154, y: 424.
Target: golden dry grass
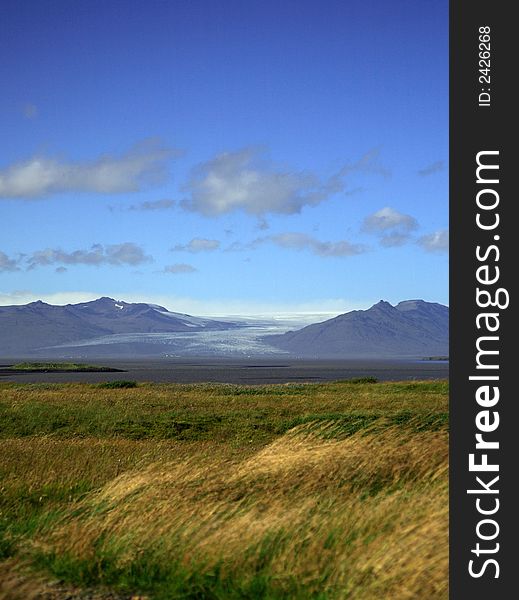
x: 351, y: 503
x: 368, y: 513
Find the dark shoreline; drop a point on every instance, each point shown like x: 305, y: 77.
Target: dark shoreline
x: 4, y: 371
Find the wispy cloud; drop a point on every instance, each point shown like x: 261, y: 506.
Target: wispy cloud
x: 197, y: 245
x: 239, y: 246
x: 41, y: 176
x: 263, y: 225
x: 29, y: 110
x: 387, y: 219
x: 178, y: 268
x: 302, y: 241
x: 244, y: 180
x: 164, y: 204
x: 354, y: 191
x: 435, y: 242
x: 368, y: 163
x: 8, y: 264
x: 127, y: 253
x: 434, y: 167
x: 393, y: 228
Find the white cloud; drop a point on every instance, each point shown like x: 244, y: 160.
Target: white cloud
x: 392, y: 227
x: 388, y: 219
x: 197, y: 245
x: 244, y: 180
x: 40, y: 176
x: 179, y: 268
x: 435, y: 242
x: 127, y: 253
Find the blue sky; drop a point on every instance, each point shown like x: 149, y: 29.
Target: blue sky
x: 224, y: 157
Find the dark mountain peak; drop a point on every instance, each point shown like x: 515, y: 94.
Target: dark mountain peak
x: 382, y: 305
x: 38, y: 304
x: 412, y: 328
x: 97, y: 302
x: 103, y: 300
x: 105, y: 303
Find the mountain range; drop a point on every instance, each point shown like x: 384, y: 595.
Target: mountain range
x: 413, y: 328
x: 108, y: 327
x: 35, y: 326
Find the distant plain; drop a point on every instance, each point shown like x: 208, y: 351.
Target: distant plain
x: 239, y: 371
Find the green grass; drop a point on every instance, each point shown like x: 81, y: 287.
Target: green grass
x: 200, y: 412
x: 174, y: 580
x: 359, y: 380
x: 323, y: 491
x: 118, y: 384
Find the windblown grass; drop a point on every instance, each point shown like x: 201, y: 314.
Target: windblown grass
x: 324, y: 491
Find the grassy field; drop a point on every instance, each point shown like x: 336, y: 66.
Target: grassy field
x: 165, y: 491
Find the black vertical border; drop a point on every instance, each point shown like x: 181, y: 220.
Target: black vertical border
x: 474, y: 129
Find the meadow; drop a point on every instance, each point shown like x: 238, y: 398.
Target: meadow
x: 167, y: 491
